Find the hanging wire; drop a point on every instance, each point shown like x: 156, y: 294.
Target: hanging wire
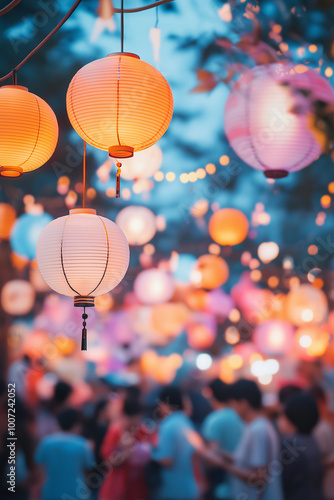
x: 14, y: 77
x: 63, y: 21
x: 84, y: 177
x: 122, y: 26
x: 156, y: 15
x: 9, y: 7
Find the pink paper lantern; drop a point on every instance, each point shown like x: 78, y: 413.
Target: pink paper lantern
x: 262, y: 122
x: 154, y: 286
x: 201, y: 331
x: 273, y: 338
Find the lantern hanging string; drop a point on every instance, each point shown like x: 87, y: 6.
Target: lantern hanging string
x: 63, y: 21
x: 122, y: 26
x: 118, y: 179
x: 9, y: 7
x: 84, y: 177
x: 156, y: 15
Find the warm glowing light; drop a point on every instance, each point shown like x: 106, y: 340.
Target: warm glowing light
x: 305, y: 304
x: 235, y: 361
x: 325, y: 201
x: 138, y: 224
x: 224, y: 160
x: 154, y: 286
x: 210, y: 272
x: 184, y: 178
x: 331, y: 187
x: 210, y: 168
x: 234, y: 316
x: 312, y: 250
x: 159, y: 176
x: 214, y: 249
x: 170, y: 176
x: 228, y: 226
x: 312, y: 48
x: 232, y: 335
x: 203, y: 361
x: 328, y: 72
x: 268, y: 251
x: 273, y: 337
x: 273, y: 282
x: 199, y: 208
x: 119, y: 104
x: 201, y: 173
x: 305, y: 341
x: 256, y: 275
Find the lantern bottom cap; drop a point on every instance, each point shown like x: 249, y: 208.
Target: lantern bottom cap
x: 11, y: 171
x: 84, y: 301
x: 276, y: 174
x: 121, y: 151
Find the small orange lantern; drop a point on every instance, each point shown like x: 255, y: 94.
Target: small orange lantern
x: 28, y: 131
x: 210, y: 272
x: 119, y: 104
x: 7, y: 219
x: 228, y: 226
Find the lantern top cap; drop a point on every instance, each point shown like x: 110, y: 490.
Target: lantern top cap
x: 129, y: 54
x: 17, y: 87
x: 75, y: 211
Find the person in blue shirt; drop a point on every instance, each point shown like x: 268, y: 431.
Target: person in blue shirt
x: 174, y: 452
x: 222, y: 429
x: 64, y: 459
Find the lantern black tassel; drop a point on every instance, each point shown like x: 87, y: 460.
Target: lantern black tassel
x: 84, y: 332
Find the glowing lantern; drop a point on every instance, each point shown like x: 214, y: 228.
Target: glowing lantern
x: 82, y: 255
x: 25, y: 233
x: 311, y: 341
x: 169, y: 319
x: 262, y: 123
x: 196, y: 299
x: 137, y: 223
x: 201, y: 330
x: 219, y: 303
x: 268, y: 251
x: 119, y: 104
x: 210, y: 272
x: 28, y: 131
x: 143, y: 165
x: 273, y: 338
x: 306, y: 304
x: 228, y: 226
x: 154, y: 286
x: 17, y: 297
x: 7, y: 219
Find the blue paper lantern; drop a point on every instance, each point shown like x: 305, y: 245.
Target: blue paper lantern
x: 25, y: 233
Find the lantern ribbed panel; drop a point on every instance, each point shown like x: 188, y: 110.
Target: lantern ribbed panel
x: 28, y: 129
x: 119, y: 100
x: 260, y: 123
x: 84, y: 240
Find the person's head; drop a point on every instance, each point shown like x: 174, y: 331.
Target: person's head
x: 299, y: 416
x: 62, y: 392
x: 320, y: 398
x: 246, y: 398
x: 132, y: 410
x: 220, y: 393
x: 285, y: 393
x: 70, y: 420
x: 170, y: 400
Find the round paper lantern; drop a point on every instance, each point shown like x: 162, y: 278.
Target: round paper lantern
x: 137, y: 223
x: 154, y: 286
x: 17, y: 297
x: 28, y: 131
x: 119, y: 104
x: 273, y: 338
x: 7, y: 219
x: 201, y: 331
x: 143, y: 165
x: 25, y: 233
x: 262, y: 124
x: 228, y: 226
x: 82, y: 255
x: 268, y: 251
x: 311, y: 342
x: 169, y: 319
x: 210, y: 272
x: 306, y: 304
x: 219, y: 303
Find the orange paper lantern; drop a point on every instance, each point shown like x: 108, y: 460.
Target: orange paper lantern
x: 228, y: 226
x: 7, y: 219
x: 28, y: 131
x: 119, y: 104
x: 210, y: 272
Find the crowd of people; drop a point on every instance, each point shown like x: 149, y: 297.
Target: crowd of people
x: 214, y: 441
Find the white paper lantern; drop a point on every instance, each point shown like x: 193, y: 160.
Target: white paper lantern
x: 82, y: 255
x: 143, y: 164
x: 138, y: 224
x: 154, y: 286
x: 17, y: 297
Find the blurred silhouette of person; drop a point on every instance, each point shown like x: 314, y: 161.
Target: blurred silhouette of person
x: 47, y: 422
x: 302, y: 461
x: 221, y: 429
x: 64, y: 458
x: 251, y: 465
x: 324, y: 435
x: 174, y: 452
x: 126, y: 451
